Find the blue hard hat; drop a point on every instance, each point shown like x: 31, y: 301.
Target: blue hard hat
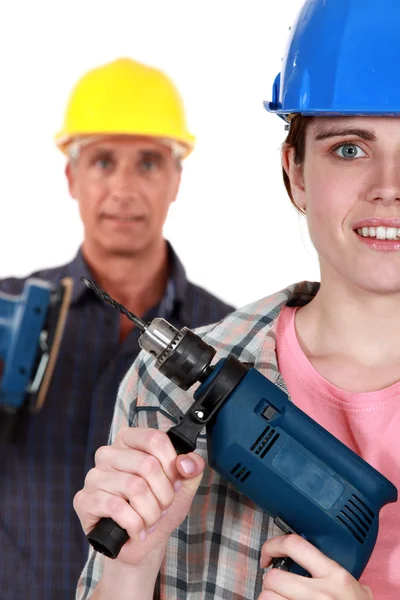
x: 342, y: 58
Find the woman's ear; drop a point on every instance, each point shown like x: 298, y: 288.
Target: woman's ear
x: 295, y: 174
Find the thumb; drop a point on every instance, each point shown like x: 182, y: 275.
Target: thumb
x: 190, y: 467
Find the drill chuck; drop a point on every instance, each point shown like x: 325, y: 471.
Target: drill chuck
x: 181, y: 355
x: 157, y: 337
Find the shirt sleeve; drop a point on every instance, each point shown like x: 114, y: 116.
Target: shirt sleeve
x: 124, y: 416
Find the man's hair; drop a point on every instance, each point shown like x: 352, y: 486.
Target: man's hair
x: 74, y: 148
x: 296, y: 138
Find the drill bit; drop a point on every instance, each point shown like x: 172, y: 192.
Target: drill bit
x: 106, y: 298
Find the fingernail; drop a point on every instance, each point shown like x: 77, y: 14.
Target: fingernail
x: 164, y: 512
x: 151, y: 529
x: 177, y: 485
x: 142, y: 535
x: 188, y: 465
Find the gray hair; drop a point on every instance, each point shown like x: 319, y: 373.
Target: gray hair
x: 74, y: 147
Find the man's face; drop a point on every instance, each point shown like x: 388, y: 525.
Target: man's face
x: 124, y: 186
x: 349, y: 185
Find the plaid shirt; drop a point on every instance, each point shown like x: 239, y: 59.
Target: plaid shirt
x: 42, y: 546
x: 215, y: 553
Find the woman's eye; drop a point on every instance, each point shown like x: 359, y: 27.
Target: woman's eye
x: 349, y: 151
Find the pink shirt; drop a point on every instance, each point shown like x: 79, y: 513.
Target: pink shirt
x: 369, y: 424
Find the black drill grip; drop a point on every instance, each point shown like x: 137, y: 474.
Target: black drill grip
x: 107, y: 537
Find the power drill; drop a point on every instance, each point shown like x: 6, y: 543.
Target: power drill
x: 267, y: 448
x: 31, y: 329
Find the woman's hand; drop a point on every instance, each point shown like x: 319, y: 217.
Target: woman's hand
x: 141, y: 483
x: 329, y: 580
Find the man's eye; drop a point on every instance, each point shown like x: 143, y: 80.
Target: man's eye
x: 349, y: 151
x: 104, y: 163
x: 148, y: 165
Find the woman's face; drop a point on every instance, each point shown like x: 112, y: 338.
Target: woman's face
x: 349, y: 186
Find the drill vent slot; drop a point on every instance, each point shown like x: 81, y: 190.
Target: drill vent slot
x: 357, y: 517
x: 240, y: 472
x: 265, y: 442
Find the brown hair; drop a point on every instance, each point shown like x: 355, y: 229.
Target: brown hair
x: 296, y: 138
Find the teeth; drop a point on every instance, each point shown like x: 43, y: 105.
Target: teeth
x: 381, y: 233
x: 391, y: 233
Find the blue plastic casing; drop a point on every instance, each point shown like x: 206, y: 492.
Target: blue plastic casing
x: 22, y: 319
x: 294, y: 469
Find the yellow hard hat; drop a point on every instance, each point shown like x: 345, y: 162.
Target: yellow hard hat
x: 125, y: 97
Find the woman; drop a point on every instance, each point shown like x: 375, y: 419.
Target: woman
x: 335, y: 346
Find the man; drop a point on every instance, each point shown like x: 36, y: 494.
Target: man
x: 125, y: 137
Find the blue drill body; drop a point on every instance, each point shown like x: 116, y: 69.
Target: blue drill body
x: 22, y: 319
x: 296, y: 471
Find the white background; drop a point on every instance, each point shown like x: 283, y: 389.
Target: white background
x: 233, y: 224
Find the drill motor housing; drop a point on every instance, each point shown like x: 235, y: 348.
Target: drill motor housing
x: 296, y: 471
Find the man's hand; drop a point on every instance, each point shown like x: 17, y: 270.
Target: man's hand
x: 141, y: 483
x: 329, y: 580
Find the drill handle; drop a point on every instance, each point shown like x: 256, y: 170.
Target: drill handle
x: 107, y: 537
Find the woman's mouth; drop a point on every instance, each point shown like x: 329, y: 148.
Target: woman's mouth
x: 379, y: 233
x: 380, y: 239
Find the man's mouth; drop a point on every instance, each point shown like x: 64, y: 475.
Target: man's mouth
x: 124, y: 218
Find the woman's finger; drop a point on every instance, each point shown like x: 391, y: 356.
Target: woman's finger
x: 150, y: 441
x: 98, y: 504
x: 302, y: 552
x: 128, y: 463
x: 289, y: 585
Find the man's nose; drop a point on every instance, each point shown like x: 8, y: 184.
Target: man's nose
x: 124, y: 184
